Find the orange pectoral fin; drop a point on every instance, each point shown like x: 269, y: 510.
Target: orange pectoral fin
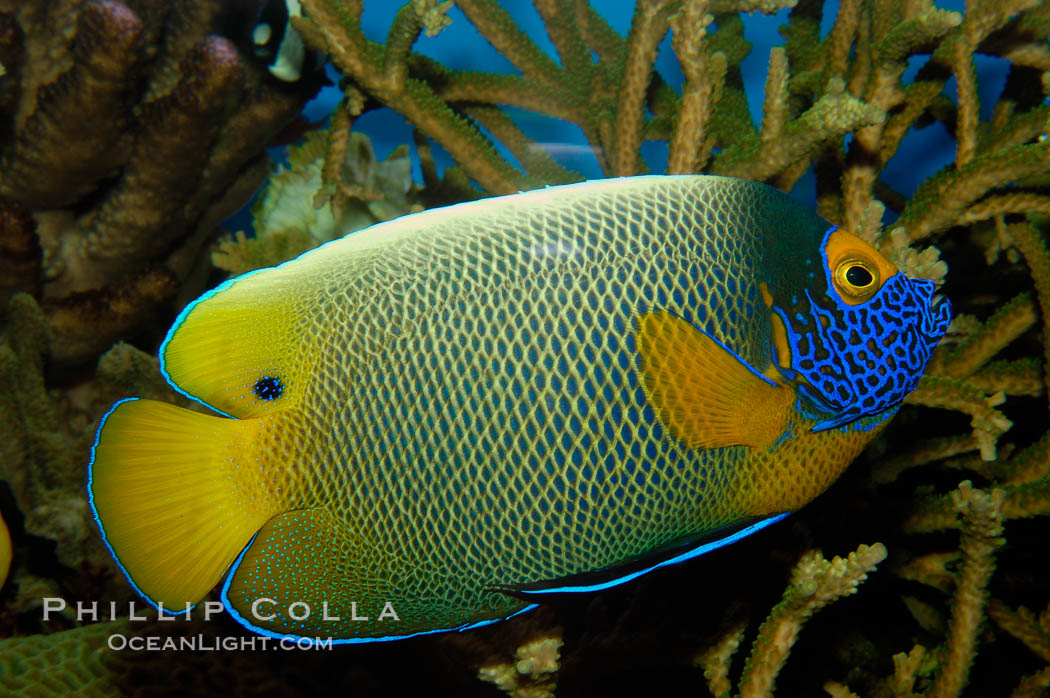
x: 706, y: 395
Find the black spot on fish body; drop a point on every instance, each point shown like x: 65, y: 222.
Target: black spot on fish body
x: 268, y: 388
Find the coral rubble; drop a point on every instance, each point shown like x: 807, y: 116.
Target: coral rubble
x: 129, y: 131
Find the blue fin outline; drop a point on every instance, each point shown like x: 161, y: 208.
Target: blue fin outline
x: 697, y: 551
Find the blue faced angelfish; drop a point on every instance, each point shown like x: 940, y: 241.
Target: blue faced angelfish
x: 432, y: 423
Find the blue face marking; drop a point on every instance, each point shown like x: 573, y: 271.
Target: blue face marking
x: 860, y: 360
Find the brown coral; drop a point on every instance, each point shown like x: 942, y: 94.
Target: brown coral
x: 130, y: 130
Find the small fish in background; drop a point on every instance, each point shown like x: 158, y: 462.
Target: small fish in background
x: 431, y: 423
x: 276, y: 42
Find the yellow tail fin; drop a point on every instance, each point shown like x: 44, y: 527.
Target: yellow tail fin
x: 173, y: 494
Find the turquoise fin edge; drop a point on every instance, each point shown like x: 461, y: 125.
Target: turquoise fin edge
x: 552, y: 587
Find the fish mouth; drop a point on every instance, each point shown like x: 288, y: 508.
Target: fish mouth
x: 940, y: 316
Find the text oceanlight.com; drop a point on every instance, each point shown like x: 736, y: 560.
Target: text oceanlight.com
x: 205, y: 643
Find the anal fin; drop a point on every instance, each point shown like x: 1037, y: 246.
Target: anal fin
x: 625, y: 572
x: 307, y: 574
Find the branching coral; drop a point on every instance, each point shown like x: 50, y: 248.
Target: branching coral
x: 615, y: 98
x: 979, y: 515
x: 533, y: 673
x: 129, y: 131
x: 46, y: 436
x: 815, y: 583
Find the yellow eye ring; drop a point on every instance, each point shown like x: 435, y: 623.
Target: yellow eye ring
x: 857, y: 278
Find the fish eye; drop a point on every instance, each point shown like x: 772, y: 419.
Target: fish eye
x: 856, y: 278
x: 268, y: 388
x: 261, y: 34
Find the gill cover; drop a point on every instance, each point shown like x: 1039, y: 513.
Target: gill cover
x: 861, y: 346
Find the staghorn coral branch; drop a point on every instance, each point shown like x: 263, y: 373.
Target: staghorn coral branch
x: 905, y: 669
x: 882, y: 90
x: 1015, y: 129
x: 969, y: 104
x: 917, y: 98
x: 838, y: 690
x: 690, y: 146
x: 840, y: 39
x: 815, y: 582
x: 362, y: 60
x: 717, y: 659
x: 559, y: 21
x: 889, y: 469
x: 596, y: 32
x: 335, y: 156
x: 1007, y: 323
x: 1031, y: 245
x: 984, y: 18
x: 915, y: 33
x: 537, y: 162
x: 833, y: 115
x: 775, y: 107
x: 648, y: 26
x: 496, y: 25
x: 1030, y: 465
x: 509, y: 90
x: 931, y: 569
x: 1016, y: 377
x: 1023, y: 625
x: 1007, y: 203
x: 941, y: 199
x: 981, y: 522
x: 532, y: 674
x: 948, y: 393
x: 404, y: 32
x: 1033, y: 685
x: 434, y: 14
x: 1022, y: 501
